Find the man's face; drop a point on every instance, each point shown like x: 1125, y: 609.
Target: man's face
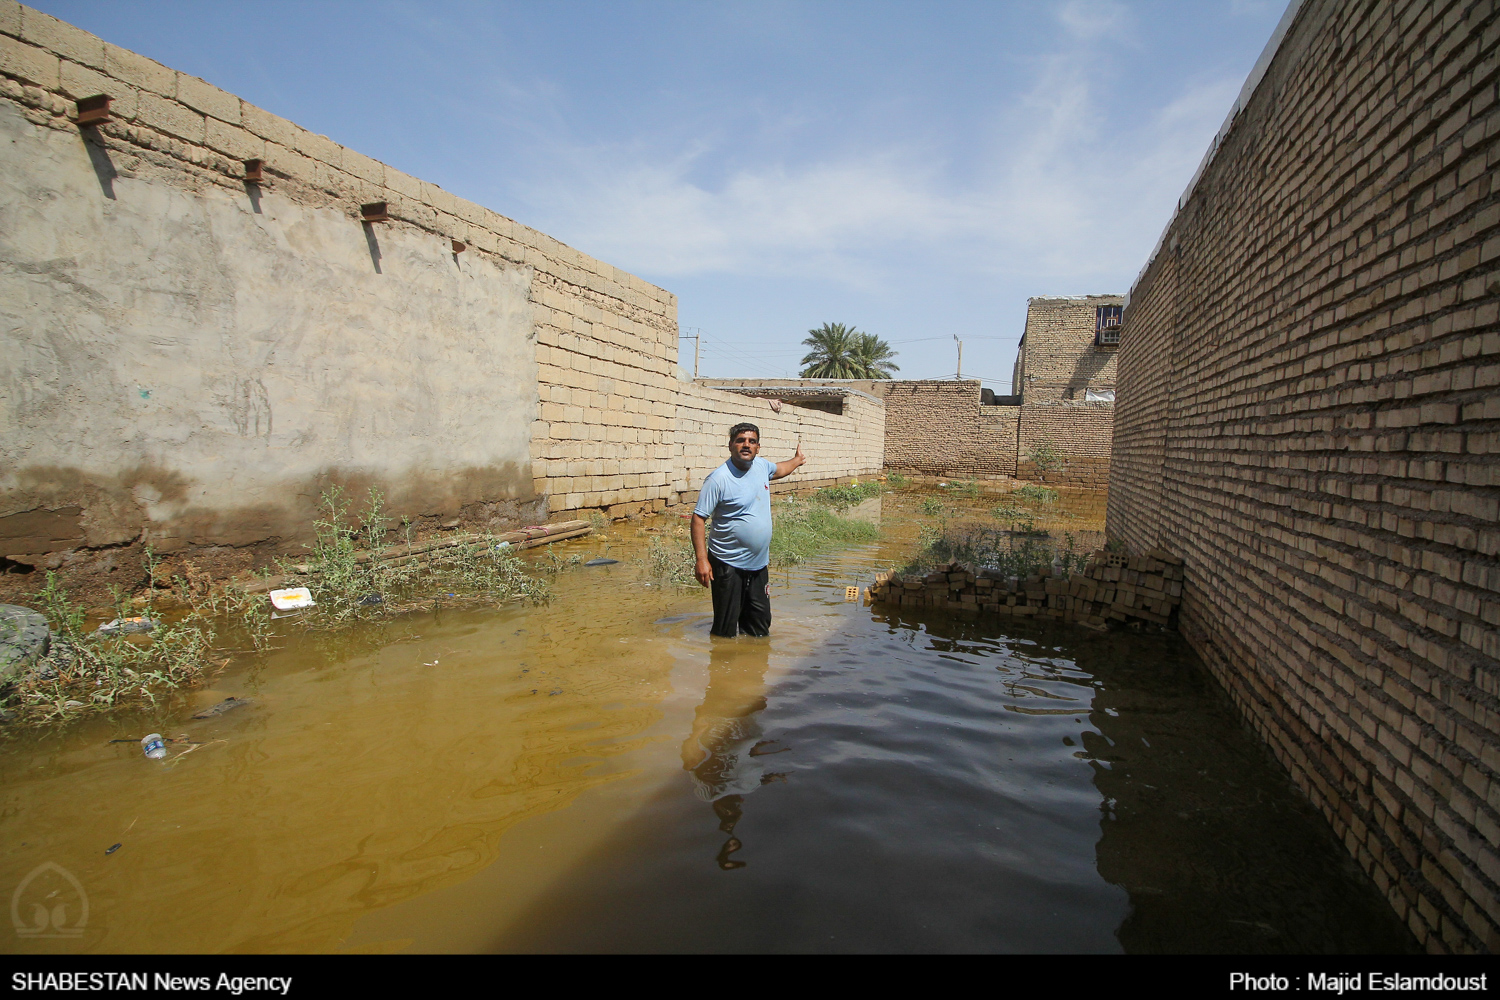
x: 744, y: 447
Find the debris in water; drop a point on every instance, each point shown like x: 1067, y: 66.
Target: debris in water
x: 370, y: 600
x: 114, y: 849
x: 292, y: 599
x: 125, y: 626
x: 756, y: 750
x: 601, y: 562
x: 227, y: 705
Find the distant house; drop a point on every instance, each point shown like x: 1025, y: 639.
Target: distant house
x: 1055, y: 427
x: 1065, y: 377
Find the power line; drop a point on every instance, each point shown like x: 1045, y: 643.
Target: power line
x: 729, y: 354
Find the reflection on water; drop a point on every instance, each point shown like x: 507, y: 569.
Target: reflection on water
x: 601, y: 774
x: 719, y: 752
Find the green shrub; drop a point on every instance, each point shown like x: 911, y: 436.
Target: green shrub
x: 1037, y: 493
x: 1045, y: 456
x: 993, y: 549
x: 671, y: 562
x: 801, y: 530
x: 841, y: 498
x: 90, y: 672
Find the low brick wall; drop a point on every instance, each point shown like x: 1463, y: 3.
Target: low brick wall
x: 1072, y: 471
x: 1113, y: 587
x: 837, y: 447
x: 938, y: 427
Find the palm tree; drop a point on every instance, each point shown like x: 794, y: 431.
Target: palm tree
x: 874, y: 356
x: 840, y: 351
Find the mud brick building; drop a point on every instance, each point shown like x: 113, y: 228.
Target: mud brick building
x: 1065, y: 374
x: 1309, y: 416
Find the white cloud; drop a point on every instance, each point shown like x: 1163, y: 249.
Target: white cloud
x: 1060, y: 191
x: 1091, y: 19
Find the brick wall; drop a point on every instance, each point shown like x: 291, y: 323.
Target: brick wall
x: 936, y: 427
x: 1057, y: 363
x: 939, y: 427
x: 1309, y: 417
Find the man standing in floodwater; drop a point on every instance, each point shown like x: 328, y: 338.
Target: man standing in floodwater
x: 734, y: 557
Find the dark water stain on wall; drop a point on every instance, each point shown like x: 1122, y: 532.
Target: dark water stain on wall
x: 93, y: 530
x: 41, y: 530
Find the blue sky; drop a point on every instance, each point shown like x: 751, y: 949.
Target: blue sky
x: 914, y: 169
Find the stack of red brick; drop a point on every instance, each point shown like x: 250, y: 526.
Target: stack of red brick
x: 1113, y: 586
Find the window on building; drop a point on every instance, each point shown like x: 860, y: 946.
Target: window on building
x: 1107, y: 320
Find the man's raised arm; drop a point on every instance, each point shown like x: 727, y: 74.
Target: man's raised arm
x: 784, y: 469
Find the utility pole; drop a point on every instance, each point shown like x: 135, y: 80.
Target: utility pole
x: 960, y: 357
x: 697, y: 339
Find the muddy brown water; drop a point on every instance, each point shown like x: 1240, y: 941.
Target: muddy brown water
x: 600, y: 774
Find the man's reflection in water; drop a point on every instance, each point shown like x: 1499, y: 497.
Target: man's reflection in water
x: 718, y: 751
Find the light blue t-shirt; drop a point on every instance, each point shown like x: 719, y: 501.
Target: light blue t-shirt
x: 740, y: 505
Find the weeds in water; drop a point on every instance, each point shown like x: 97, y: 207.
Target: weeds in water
x: 800, y: 529
x: 492, y: 570
x: 932, y: 506
x: 355, y: 585
x: 65, y: 617
x: 671, y: 562
x: 1040, y: 494
x: 968, y: 490
x: 1020, y: 519
x: 344, y: 579
x: 89, y: 671
x: 994, y: 549
x: 897, y: 481
x: 598, y: 521
x: 841, y: 498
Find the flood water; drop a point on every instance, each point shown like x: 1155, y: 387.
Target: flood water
x: 598, y: 774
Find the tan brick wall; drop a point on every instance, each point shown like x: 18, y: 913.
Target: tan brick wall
x: 1309, y: 416
x: 939, y: 427
x: 936, y: 427
x: 837, y: 447
x: 1060, y: 359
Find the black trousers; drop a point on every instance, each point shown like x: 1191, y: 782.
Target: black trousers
x: 742, y: 600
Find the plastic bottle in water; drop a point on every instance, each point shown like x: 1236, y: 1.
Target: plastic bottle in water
x: 154, y: 747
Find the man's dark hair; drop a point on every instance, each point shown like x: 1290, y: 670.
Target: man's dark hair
x: 739, y: 429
